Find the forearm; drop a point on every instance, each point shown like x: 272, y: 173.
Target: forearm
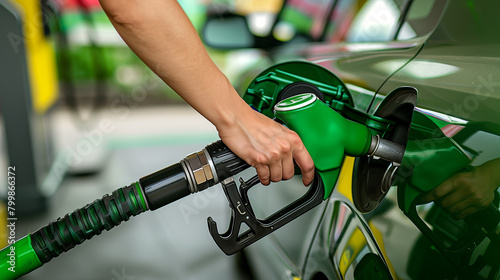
x: 160, y: 33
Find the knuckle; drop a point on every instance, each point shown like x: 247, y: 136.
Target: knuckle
x: 286, y: 147
x: 295, y: 139
x: 295, y: 136
x: 309, y: 166
x: 261, y: 159
x: 274, y: 155
x: 438, y: 193
x: 462, y: 179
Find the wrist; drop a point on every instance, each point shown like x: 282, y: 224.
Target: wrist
x: 231, y: 112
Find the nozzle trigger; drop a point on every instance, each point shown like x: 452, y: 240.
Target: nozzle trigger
x: 232, y: 241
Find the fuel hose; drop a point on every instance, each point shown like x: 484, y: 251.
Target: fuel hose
x: 194, y: 173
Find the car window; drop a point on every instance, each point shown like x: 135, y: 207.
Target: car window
x: 260, y: 14
x: 421, y: 19
x: 305, y: 18
x: 341, y: 19
x: 376, y: 21
x: 357, y: 21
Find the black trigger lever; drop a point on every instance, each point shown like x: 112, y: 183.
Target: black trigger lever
x: 232, y: 241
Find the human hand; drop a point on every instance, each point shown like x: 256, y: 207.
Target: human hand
x: 268, y: 146
x: 466, y: 193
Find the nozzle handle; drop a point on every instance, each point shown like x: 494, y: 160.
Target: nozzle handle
x: 225, y: 162
x: 232, y: 240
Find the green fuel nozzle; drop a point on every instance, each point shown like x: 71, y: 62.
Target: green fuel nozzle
x: 328, y: 136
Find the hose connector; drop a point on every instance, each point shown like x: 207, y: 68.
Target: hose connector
x: 200, y: 171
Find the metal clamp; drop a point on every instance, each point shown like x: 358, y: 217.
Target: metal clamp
x: 199, y: 170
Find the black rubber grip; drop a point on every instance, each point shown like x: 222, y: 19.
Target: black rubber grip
x: 165, y: 186
x: 103, y: 214
x: 226, y: 163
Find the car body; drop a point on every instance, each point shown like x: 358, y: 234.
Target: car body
x: 448, y: 52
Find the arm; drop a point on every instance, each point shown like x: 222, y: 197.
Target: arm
x: 161, y: 35
x: 466, y: 193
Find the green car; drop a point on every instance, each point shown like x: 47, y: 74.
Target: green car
x: 435, y: 215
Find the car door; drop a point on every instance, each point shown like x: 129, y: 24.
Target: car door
x: 455, y: 126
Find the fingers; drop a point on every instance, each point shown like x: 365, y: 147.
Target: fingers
x: 437, y: 193
x: 454, y: 202
x: 461, y: 195
x: 306, y: 165
x: 276, y: 171
x: 263, y: 173
x: 288, y: 168
x: 268, y: 146
x: 456, y: 209
x: 276, y: 163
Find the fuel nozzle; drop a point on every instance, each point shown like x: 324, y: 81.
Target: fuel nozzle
x: 328, y: 136
x: 387, y: 150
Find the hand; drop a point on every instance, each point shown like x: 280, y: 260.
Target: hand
x: 268, y: 146
x: 466, y: 193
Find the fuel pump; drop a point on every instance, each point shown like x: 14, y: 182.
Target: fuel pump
x: 316, y: 105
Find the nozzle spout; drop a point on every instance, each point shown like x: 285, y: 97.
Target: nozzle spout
x: 387, y: 150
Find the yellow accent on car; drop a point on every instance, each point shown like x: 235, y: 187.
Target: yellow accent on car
x: 356, y: 243
x: 380, y: 241
x: 344, y: 185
